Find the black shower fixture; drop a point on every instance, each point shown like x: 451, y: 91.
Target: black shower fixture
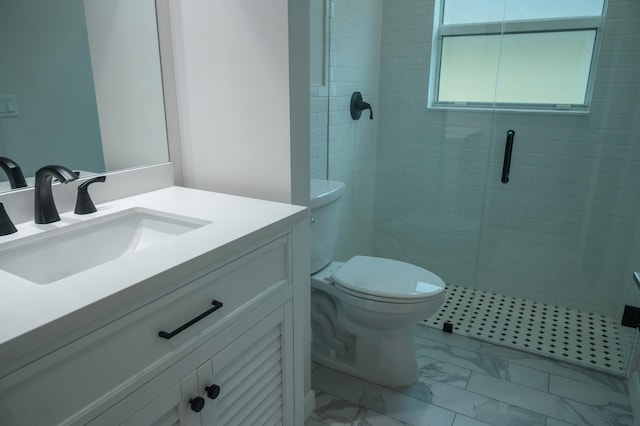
x: 358, y: 105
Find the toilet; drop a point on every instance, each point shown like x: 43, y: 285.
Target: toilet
x: 363, y: 310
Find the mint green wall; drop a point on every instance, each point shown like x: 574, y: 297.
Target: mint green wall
x: 46, y: 64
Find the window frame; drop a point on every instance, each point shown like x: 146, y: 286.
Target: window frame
x: 440, y: 31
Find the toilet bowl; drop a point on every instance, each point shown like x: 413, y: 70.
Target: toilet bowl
x: 363, y: 310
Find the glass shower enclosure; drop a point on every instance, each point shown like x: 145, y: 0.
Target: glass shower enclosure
x: 502, y: 156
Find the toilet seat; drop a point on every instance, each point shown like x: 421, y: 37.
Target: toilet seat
x: 387, y: 280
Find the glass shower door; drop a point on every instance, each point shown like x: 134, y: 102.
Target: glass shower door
x: 431, y: 161
x: 553, y: 259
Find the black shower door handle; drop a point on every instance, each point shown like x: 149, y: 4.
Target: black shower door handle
x: 506, y: 165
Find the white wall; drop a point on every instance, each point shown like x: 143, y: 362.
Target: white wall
x: 299, y: 77
x: 317, y: 47
x: 300, y: 116
x: 241, y: 81
x: 232, y: 72
x: 128, y: 81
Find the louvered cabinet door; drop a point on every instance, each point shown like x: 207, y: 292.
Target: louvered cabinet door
x: 170, y: 409
x: 251, y: 376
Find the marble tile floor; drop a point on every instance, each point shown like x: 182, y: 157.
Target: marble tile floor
x: 465, y: 382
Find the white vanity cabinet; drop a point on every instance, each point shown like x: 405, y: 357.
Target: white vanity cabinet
x: 242, y: 384
x: 226, y: 355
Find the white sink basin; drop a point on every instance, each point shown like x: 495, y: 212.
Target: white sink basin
x: 56, y: 254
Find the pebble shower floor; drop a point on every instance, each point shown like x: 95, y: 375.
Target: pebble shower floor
x: 567, y: 334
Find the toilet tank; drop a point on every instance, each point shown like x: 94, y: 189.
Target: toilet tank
x: 325, y: 219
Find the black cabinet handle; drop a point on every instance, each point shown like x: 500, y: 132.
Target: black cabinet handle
x: 196, y: 404
x: 506, y: 165
x: 212, y: 391
x: 216, y: 305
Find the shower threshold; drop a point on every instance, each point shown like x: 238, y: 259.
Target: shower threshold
x: 569, y: 335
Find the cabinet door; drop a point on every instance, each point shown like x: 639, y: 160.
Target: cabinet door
x: 242, y: 384
x: 251, y: 375
x: 171, y: 408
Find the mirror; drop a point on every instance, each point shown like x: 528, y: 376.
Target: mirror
x: 80, y: 85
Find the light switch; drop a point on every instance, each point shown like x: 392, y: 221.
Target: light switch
x: 8, y: 106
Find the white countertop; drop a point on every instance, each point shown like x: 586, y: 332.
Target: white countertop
x: 33, y: 316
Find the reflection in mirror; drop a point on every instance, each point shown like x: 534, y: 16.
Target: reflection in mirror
x: 80, y: 85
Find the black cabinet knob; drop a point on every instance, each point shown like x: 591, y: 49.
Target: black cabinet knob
x: 197, y: 404
x: 212, y: 391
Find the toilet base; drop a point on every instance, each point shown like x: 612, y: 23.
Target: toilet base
x: 388, y: 359
x: 370, y: 339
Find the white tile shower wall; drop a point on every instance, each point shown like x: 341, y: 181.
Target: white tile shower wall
x: 356, y: 27
x: 431, y: 165
x: 560, y: 232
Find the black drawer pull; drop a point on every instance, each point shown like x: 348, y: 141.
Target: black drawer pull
x: 216, y: 305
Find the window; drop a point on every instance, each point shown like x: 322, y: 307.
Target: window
x: 516, y: 54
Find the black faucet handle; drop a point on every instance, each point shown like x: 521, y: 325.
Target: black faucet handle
x: 357, y: 105
x: 84, y: 204
x: 84, y: 185
x: 6, y: 226
x: 14, y: 173
x: 75, y: 172
x: 365, y: 105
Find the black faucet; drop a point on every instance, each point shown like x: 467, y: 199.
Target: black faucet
x: 84, y: 204
x: 6, y: 226
x: 357, y: 105
x: 14, y: 173
x: 44, y: 207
